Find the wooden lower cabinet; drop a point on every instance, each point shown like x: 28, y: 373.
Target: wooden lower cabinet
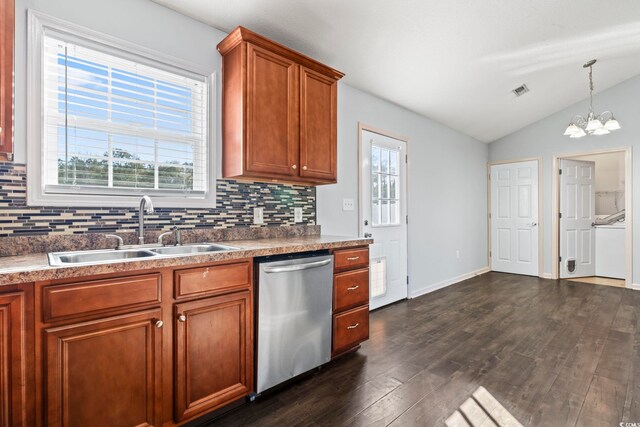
x: 350, y: 328
x: 350, y: 299
x: 213, y: 353
x: 13, y: 409
x: 105, y: 372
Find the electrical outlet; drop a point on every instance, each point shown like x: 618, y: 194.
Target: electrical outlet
x: 348, y: 205
x: 457, y: 254
x: 258, y: 215
x: 297, y: 214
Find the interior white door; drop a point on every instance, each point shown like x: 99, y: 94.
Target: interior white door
x: 514, y: 217
x: 577, y: 218
x: 383, y: 191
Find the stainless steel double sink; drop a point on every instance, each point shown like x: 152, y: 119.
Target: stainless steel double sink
x: 59, y: 259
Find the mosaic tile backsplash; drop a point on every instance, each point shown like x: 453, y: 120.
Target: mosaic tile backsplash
x: 235, y: 203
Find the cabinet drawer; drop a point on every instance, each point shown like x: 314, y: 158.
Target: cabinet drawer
x: 350, y: 329
x: 213, y: 279
x: 98, y: 296
x: 347, y: 259
x: 350, y: 289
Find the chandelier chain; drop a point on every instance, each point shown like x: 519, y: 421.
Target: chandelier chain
x: 591, y: 88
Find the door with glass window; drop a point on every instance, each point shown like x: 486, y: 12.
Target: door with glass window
x: 383, y: 215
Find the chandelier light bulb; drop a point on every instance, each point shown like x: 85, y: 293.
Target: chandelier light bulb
x: 593, y: 124
x: 578, y: 134
x: 612, y: 124
x: 572, y: 129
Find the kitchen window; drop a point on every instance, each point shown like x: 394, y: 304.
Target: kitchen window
x: 117, y: 122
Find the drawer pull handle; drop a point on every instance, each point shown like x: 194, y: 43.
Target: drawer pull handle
x: 159, y: 324
x: 353, y: 326
x: 182, y: 318
x: 353, y: 288
x: 353, y: 258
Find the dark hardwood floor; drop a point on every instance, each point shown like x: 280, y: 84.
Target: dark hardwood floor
x: 553, y: 353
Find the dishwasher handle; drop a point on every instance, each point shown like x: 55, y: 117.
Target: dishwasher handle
x: 297, y: 267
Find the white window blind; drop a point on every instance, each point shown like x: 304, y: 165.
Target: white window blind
x: 115, y: 125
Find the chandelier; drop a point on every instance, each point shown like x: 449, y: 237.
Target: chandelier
x: 593, y: 124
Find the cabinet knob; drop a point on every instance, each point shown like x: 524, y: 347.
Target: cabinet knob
x: 304, y: 168
x: 159, y: 324
x: 353, y: 288
x: 182, y: 318
x: 353, y: 326
x: 294, y: 167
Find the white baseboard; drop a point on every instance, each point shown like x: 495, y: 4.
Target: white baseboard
x: 546, y: 276
x: 448, y: 282
x: 635, y: 286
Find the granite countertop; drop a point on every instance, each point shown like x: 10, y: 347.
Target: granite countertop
x: 35, y: 267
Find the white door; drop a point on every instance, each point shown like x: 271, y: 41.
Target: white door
x: 383, y: 181
x: 577, y: 217
x: 514, y: 217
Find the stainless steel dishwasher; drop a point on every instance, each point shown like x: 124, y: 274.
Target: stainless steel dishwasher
x: 294, y: 316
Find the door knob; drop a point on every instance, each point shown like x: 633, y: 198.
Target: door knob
x: 159, y: 324
x: 294, y: 167
x: 533, y: 224
x: 304, y: 168
x: 182, y: 318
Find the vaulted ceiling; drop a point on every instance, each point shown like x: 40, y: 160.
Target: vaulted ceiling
x: 454, y: 61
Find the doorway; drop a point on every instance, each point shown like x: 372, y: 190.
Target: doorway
x: 514, y: 217
x: 383, y: 213
x: 592, y: 217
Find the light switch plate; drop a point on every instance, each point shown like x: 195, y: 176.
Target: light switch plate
x: 258, y: 215
x: 348, y: 204
x: 297, y: 214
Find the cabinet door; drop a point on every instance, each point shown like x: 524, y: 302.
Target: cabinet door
x: 272, y: 114
x: 104, y: 373
x: 318, y: 125
x: 7, y: 15
x: 12, y: 362
x: 214, y: 353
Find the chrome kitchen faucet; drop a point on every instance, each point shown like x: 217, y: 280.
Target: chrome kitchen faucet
x: 145, y: 204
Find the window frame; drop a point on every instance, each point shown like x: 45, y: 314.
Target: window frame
x: 38, y: 192
x: 397, y: 199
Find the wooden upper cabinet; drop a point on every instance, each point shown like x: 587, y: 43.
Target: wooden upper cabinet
x: 272, y: 114
x: 318, y: 125
x: 279, y: 112
x: 7, y: 23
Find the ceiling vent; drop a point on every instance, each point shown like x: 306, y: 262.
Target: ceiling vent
x: 521, y: 90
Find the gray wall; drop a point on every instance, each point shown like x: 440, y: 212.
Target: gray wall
x: 447, y: 188
x: 447, y: 202
x: 544, y: 139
